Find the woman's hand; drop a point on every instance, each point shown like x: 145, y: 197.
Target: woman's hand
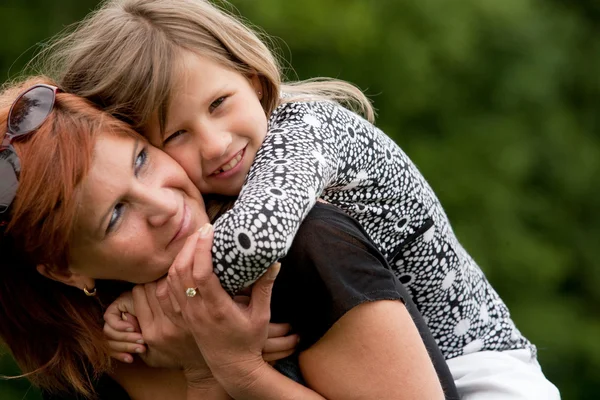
x: 155, y: 302
x: 231, y: 335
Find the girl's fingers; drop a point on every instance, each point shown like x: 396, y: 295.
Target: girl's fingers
x: 115, y: 321
x: 271, y: 357
x: 242, y: 300
x: 124, y: 347
x: 119, y: 336
x: 283, y: 343
x: 122, y: 306
x: 276, y: 330
x: 123, y: 357
x: 132, y: 319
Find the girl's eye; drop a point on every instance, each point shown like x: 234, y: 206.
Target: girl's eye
x: 173, y: 136
x: 215, y: 104
x: 114, y: 217
x: 141, y: 160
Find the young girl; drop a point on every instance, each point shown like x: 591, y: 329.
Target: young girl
x: 203, y: 87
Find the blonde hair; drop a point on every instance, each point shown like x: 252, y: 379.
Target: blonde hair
x: 124, y: 56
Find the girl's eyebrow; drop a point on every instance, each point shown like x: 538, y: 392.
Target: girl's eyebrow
x: 99, y: 224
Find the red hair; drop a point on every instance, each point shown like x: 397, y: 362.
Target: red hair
x: 53, y: 330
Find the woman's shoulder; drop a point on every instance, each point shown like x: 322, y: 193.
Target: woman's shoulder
x: 327, y: 225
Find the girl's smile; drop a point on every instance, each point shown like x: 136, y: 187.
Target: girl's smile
x: 215, y: 124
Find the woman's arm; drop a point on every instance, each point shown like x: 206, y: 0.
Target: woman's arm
x: 373, y: 352
x: 361, y: 334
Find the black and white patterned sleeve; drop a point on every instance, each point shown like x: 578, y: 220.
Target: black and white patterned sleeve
x: 296, y: 162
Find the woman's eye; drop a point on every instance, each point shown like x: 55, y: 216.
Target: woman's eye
x: 114, y: 217
x: 141, y: 160
x: 173, y: 136
x: 215, y: 104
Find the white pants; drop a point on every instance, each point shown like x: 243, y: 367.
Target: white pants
x: 501, y: 375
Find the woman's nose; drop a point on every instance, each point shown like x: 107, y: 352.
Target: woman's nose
x: 161, y: 206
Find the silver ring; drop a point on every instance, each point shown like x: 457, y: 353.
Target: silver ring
x: 191, y: 292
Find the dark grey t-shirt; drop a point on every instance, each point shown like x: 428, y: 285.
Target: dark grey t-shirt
x: 331, y: 268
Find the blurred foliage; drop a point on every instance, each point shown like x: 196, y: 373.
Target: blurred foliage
x: 496, y: 102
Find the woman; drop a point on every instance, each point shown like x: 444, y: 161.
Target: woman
x: 100, y: 170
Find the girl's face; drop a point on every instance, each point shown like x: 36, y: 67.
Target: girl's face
x: 137, y: 209
x: 215, y: 125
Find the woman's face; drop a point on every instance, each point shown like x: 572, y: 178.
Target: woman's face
x: 137, y: 209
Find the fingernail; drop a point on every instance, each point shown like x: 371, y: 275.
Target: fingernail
x: 127, y: 359
x: 274, y: 270
x: 124, y: 316
x: 205, y: 230
x: 140, y: 341
x: 139, y: 350
x: 129, y: 329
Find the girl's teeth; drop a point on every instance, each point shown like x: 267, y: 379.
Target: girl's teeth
x: 230, y: 164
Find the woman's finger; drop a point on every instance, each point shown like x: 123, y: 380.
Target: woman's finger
x: 207, y: 284
x: 150, y: 290
x: 276, y: 330
x: 165, y: 301
x: 143, y: 310
x: 260, y: 301
x: 283, y: 343
x: 180, y: 274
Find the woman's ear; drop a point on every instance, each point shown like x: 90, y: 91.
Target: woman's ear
x: 67, y: 277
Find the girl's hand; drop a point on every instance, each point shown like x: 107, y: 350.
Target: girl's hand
x: 280, y: 343
x: 230, y: 335
x: 122, y: 329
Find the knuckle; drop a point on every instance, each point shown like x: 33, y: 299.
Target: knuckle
x: 137, y: 290
x: 218, y: 313
x: 201, y: 278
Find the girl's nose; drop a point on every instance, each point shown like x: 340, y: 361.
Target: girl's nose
x: 214, y: 144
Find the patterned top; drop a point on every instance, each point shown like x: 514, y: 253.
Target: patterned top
x: 320, y: 149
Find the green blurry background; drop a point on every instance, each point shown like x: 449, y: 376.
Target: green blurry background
x: 495, y: 100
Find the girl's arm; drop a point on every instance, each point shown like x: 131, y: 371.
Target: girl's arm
x: 296, y: 162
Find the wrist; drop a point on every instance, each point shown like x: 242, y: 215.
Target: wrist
x: 199, y: 378
x: 215, y: 392
x: 244, y: 380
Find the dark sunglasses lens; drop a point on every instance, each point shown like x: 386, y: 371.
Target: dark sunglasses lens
x: 30, y: 110
x: 9, y: 166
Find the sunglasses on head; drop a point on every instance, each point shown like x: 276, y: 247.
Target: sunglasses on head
x: 27, y: 113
